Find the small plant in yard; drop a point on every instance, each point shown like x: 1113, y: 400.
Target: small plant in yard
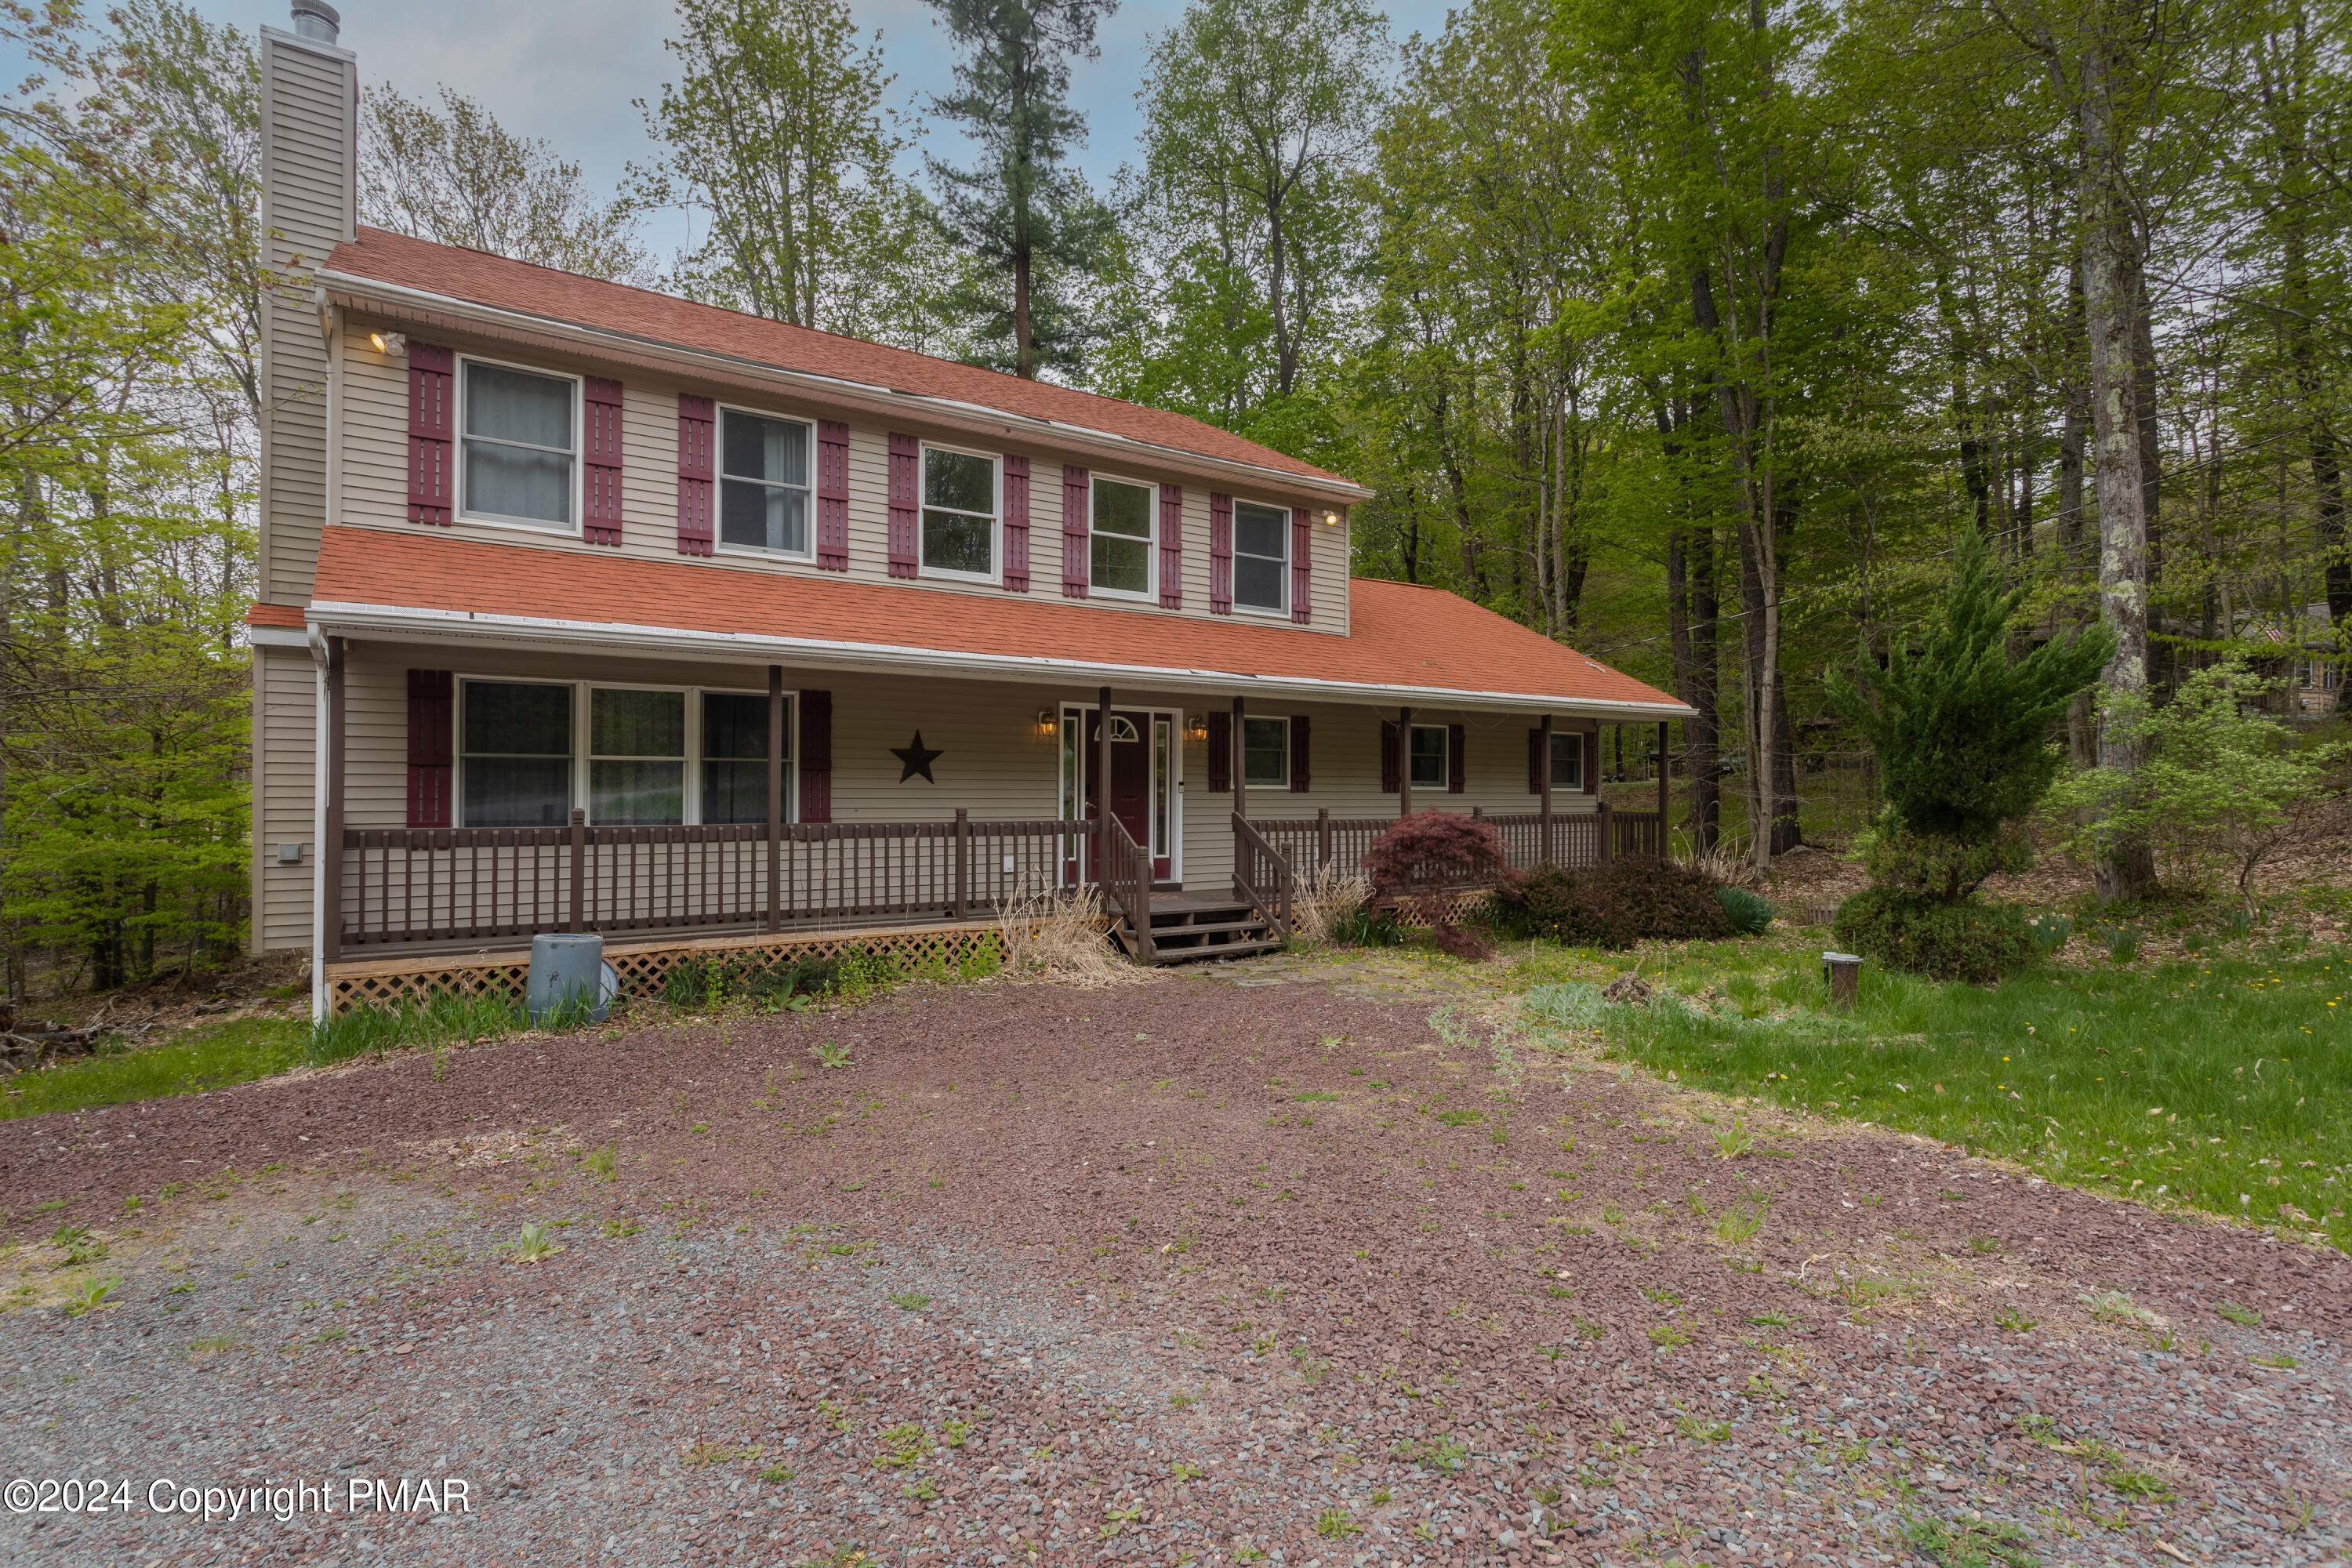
x: 830, y: 1053
x: 955, y: 1434
x: 1700, y: 1430
x: 1775, y: 1319
x: 1738, y: 1228
x: 2245, y: 1316
x: 602, y: 1164
x: 1732, y: 1141
x: 92, y: 1294
x: 699, y: 1455
x: 2015, y: 1321
x: 912, y: 1300
x: 777, y: 1475
x: 535, y: 1243
x: 903, y: 1444
x: 1970, y: 1543
x: 1667, y: 1336
x: 1333, y: 1524
x: 2115, y: 1307
x: 2279, y: 1362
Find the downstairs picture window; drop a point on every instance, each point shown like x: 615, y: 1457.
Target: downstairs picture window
x: 515, y: 754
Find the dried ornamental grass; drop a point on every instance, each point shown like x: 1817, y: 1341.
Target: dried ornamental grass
x: 1061, y: 934
x: 1326, y: 896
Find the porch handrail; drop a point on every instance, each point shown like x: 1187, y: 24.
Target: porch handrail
x: 457, y: 884
x: 1125, y: 872
x: 1262, y: 876
x: 1578, y: 839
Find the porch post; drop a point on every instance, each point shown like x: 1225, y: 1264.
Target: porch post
x: 1102, y: 796
x: 1663, y: 771
x: 775, y: 798
x: 331, y: 832
x: 962, y: 862
x: 1543, y: 792
x: 579, y: 870
x: 1322, y: 837
x: 1405, y: 762
x: 1239, y: 760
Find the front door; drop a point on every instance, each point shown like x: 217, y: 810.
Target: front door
x: 1141, y: 756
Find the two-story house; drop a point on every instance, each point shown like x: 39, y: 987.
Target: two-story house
x: 585, y: 606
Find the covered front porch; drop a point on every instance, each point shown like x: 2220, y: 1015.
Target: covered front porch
x: 827, y: 805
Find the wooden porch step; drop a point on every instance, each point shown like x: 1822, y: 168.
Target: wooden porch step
x: 1252, y: 925
x: 1222, y: 950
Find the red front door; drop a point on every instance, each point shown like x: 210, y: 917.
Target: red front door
x: 1130, y: 778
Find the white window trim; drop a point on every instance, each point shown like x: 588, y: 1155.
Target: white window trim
x: 995, y: 516
x: 578, y: 527
x: 580, y: 732
x: 1578, y: 749
x: 1446, y: 756
x: 1281, y: 612
x: 718, y: 501
x: 1249, y: 719
x: 1150, y: 540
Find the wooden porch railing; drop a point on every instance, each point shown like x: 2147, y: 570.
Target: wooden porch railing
x: 1578, y: 838
x: 464, y: 884
x: 1262, y: 876
x: 1124, y: 869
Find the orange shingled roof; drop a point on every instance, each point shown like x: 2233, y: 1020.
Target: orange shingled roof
x: 275, y: 616
x: 483, y: 278
x: 1399, y: 635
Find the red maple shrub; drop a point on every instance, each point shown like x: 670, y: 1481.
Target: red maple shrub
x: 1429, y: 854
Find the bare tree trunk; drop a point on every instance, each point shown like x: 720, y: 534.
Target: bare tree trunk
x: 2127, y: 871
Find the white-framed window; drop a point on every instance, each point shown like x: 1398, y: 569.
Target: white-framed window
x: 1266, y: 752
x: 1568, y: 758
x: 764, y: 472
x: 1123, y: 534
x: 519, y: 431
x: 1261, y: 556
x: 530, y: 750
x: 1428, y: 756
x: 959, y: 521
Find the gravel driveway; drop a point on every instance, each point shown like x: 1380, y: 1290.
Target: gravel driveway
x: 1282, y: 1262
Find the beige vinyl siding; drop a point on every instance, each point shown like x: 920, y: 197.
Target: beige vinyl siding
x: 285, y: 777
x: 306, y: 177
x: 374, y: 485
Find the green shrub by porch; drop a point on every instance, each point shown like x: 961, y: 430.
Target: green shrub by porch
x: 1613, y: 906
x: 1962, y: 939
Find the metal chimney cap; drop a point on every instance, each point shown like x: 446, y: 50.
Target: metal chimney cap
x: 318, y: 20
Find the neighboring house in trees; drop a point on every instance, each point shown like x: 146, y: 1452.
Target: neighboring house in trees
x: 587, y: 607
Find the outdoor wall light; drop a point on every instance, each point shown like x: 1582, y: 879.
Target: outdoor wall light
x: 1046, y: 723
x: 1331, y: 520
x: 1197, y: 727
x: 380, y: 346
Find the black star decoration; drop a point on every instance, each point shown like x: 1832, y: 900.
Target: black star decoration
x: 918, y: 758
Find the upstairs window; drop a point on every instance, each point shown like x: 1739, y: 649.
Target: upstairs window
x: 1429, y: 756
x: 764, y: 500
x: 1266, y: 752
x: 959, y: 513
x: 1122, y: 539
x: 520, y: 446
x: 515, y: 754
x: 1261, y: 556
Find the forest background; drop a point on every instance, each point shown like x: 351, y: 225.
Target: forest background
x: 1694, y: 334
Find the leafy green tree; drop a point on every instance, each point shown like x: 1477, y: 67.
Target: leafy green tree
x: 1031, y: 230
x: 455, y: 176
x: 776, y: 129
x: 1961, y: 729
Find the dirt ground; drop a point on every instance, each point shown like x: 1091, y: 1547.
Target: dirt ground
x: 1292, y: 1261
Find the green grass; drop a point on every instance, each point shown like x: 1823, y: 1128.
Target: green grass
x: 248, y: 1048
x: 211, y: 1058
x: 2202, y: 1082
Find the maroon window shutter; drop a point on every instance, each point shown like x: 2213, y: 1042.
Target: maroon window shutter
x: 1301, y: 779
x: 1457, y: 766
x: 1016, y: 525
x: 1221, y: 555
x: 1074, y: 566
x: 1592, y: 762
x: 817, y: 756
x: 1220, y: 752
x: 429, y: 725
x: 602, y: 478
x: 1171, y: 547
x: 1302, y: 553
x: 696, y: 474
x: 431, y: 430
x: 906, y: 499
x: 832, y: 495
x: 1536, y: 761
x: 1392, y: 773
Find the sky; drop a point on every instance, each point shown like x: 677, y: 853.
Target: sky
x: 566, y: 72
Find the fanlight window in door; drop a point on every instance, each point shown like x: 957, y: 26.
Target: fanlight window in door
x: 1123, y: 730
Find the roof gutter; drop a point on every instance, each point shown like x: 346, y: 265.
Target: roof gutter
x: 947, y: 410
x: 566, y: 635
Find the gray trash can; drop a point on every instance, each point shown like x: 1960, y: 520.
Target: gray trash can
x: 566, y: 969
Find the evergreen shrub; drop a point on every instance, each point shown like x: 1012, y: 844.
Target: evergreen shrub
x: 1965, y: 939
